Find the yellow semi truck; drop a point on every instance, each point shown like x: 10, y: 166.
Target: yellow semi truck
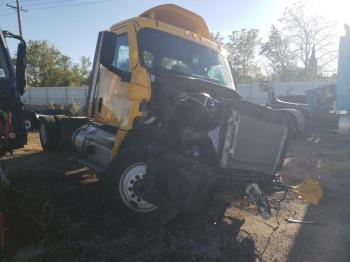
x: 165, y: 129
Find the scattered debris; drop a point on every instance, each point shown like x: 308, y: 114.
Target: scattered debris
x: 292, y: 220
x: 298, y: 221
x: 310, y: 190
x: 258, y: 197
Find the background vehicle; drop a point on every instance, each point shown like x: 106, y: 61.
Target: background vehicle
x: 165, y: 128
x: 298, y: 113
x: 343, y: 82
x: 12, y: 83
x: 326, y: 106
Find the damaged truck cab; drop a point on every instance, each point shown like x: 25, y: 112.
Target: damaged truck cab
x: 165, y: 129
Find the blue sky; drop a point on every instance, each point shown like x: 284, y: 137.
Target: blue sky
x: 74, y: 29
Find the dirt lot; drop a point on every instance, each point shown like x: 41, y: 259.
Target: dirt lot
x: 81, y: 228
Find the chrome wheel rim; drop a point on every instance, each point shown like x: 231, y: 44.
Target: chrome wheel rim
x: 133, y: 174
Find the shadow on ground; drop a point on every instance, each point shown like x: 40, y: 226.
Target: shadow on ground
x: 326, y: 159
x: 80, y: 226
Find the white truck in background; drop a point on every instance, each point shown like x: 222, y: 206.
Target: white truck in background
x: 52, y: 101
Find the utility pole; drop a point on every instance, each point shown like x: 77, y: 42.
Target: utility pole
x: 19, y: 19
x: 18, y: 8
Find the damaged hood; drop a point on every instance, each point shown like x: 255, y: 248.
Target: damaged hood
x: 244, y: 136
x: 195, y: 85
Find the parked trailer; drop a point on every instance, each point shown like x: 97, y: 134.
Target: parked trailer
x: 52, y: 101
x: 343, y: 82
x: 44, y: 96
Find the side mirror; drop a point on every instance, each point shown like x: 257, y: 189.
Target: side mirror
x: 21, y: 65
x: 109, y: 47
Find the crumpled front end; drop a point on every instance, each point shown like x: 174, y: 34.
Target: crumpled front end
x: 252, y: 139
x: 212, y: 144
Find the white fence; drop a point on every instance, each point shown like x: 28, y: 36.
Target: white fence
x: 78, y: 95
x: 55, y: 95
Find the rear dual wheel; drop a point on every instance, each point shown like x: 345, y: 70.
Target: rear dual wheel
x: 49, y: 135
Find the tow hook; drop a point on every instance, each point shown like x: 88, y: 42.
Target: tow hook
x: 258, y: 197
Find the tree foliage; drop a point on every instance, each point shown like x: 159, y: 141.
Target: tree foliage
x: 280, y: 55
x: 242, y: 46
x: 310, y: 34
x: 47, y: 66
x: 301, y: 47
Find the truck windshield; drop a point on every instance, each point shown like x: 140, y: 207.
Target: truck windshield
x: 163, y: 51
x: 4, y: 73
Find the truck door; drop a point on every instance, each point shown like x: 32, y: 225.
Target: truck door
x: 111, y: 98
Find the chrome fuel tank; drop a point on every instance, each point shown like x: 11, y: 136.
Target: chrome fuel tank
x: 94, y: 143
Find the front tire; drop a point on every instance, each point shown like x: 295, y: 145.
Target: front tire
x: 126, y: 170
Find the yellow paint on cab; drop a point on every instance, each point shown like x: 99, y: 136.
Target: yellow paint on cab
x: 121, y: 99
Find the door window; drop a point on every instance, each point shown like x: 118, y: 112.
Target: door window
x: 4, y: 72
x: 121, y: 59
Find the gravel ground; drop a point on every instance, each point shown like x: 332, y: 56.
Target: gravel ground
x: 80, y: 228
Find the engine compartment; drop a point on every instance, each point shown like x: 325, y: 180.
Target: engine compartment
x: 200, y: 140
x: 213, y: 125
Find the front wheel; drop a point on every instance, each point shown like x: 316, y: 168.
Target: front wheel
x: 126, y: 171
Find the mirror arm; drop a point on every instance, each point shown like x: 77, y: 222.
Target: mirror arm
x: 11, y: 35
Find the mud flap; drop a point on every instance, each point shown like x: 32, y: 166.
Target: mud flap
x: 170, y: 185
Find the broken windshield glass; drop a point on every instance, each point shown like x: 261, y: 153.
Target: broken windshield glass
x: 167, y: 52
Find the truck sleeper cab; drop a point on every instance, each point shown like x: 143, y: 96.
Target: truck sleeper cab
x: 165, y: 128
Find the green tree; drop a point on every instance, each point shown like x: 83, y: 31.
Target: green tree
x: 81, y: 72
x: 281, y: 58
x: 47, y: 66
x: 242, y: 47
x: 312, y: 38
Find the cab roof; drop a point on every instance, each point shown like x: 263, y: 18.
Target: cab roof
x: 179, y: 17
